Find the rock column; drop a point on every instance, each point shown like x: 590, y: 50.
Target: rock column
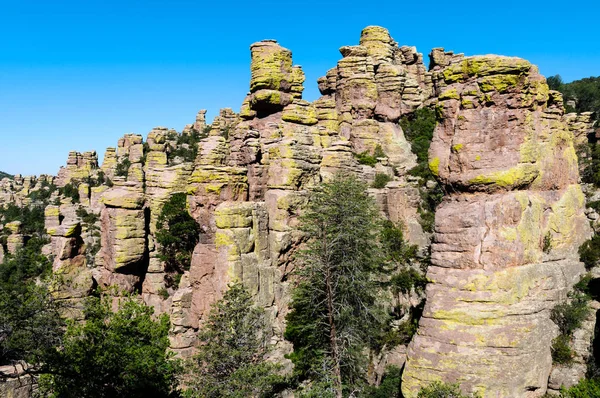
x: 506, y: 235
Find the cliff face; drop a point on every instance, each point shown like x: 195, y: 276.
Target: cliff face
x: 245, y: 187
x: 506, y: 236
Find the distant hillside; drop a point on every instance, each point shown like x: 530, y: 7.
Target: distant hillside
x: 3, y: 174
x: 584, y: 94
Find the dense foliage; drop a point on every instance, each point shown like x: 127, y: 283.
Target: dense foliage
x: 70, y: 190
x: 112, y: 354
x: 5, y: 175
x: 122, y: 168
x: 368, y: 159
x: 334, y: 312
x: 233, y: 343
x: 585, y: 93
x: 177, y: 233
x: 42, y: 195
x: 568, y: 316
x: 186, y: 145
x: 31, y: 218
x: 440, y: 390
x: 381, y: 180
x: 30, y: 325
x: 418, y: 129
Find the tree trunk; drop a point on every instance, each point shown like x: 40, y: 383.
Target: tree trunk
x: 335, y: 355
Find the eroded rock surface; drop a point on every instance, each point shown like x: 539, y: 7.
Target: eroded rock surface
x: 506, y: 236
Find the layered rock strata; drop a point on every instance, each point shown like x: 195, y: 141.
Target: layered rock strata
x: 506, y: 235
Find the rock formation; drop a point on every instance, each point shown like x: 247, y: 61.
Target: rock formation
x: 506, y: 236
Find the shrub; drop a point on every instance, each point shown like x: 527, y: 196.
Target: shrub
x: 177, y: 233
x: 43, y: 194
x: 31, y: 217
x: 186, y: 146
x: 561, y: 350
x: 389, y: 387
x: 584, y: 389
x: 441, y: 390
x: 367, y: 159
x: 122, y: 169
x: 230, y: 355
x: 589, y: 252
x: 381, y: 180
x: 407, y: 279
x: 569, y: 316
x: 113, y: 354
x: 30, y: 325
x: 70, y: 191
x: 547, y: 244
x: 430, y: 199
x: 418, y: 130
x: 87, y: 218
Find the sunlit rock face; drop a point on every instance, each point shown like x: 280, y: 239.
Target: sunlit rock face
x: 506, y: 235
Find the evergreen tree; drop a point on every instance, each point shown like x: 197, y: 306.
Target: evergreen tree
x: 334, y: 311
x: 230, y: 361
x: 177, y: 234
x: 112, y: 354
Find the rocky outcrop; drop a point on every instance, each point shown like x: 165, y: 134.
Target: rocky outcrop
x: 79, y: 167
x: 17, y: 384
x: 506, y: 237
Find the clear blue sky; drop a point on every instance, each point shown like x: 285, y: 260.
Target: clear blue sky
x: 77, y: 75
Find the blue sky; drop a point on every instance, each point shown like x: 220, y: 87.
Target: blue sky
x: 77, y: 75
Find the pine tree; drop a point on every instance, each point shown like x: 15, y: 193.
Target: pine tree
x: 230, y: 361
x: 334, y: 309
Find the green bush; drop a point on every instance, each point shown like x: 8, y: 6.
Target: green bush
x: 381, y: 180
x: 30, y: 325
x: 86, y: 217
x: 186, y: 146
x: 441, y: 390
x: 43, y: 194
x: 587, y: 388
x: 568, y: 316
x: 430, y: 199
x: 70, y: 191
x: 547, y: 244
x: 177, y: 233
x: 418, y: 130
x: 230, y: 360
x: 407, y: 279
x: 389, y: 387
x: 589, y: 252
x: 122, y: 169
x: 561, y: 350
x: 367, y: 159
x: 31, y: 217
x: 113, y: 354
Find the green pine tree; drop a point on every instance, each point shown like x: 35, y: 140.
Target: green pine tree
x: 230, y: 361
x: 334, y: 310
